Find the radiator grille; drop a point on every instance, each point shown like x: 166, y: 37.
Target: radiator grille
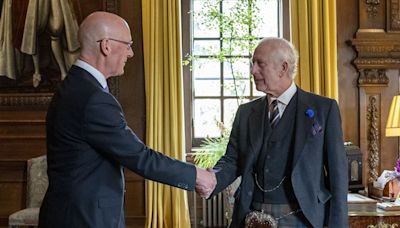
x: 214, y: 212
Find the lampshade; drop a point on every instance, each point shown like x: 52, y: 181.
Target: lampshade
x: 393, y: 123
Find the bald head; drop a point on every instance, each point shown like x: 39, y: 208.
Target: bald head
x: 106, y: 41
x: 281, y: 50
x: 100, y: 25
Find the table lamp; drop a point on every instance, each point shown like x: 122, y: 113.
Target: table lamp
x: 393, y: 122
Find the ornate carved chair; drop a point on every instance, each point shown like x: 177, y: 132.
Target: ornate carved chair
x: 37, y: 184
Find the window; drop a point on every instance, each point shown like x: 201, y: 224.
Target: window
x: 223, y: 36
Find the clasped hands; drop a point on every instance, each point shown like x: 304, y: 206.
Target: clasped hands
x: 205, y: 182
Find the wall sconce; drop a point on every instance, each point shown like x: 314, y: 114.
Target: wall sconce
x: 393, y: 123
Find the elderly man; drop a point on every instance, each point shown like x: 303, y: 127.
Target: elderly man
x: 287, y: 146
x: 88, y: 140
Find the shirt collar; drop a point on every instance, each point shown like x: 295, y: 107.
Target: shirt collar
x: 93, y: 71
x: 286, y: 96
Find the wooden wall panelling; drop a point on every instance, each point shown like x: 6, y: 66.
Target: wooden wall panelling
x: 12, y: 188
x: 347, y: 25
x: 135, y: 214
x: 377, y: 43
x: 132, y: 98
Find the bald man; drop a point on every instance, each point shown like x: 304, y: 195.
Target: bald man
x: 88, y: 140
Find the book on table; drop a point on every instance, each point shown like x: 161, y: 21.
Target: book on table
x: 388, y: 206
x: 355, y: 198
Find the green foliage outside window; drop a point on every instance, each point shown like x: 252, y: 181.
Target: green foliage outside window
x: 236, y: 33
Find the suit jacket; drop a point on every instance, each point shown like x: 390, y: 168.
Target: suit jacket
x: 319, y: 169
x: 88, y: 143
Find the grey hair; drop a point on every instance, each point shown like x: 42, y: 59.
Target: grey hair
x: 283, y: 51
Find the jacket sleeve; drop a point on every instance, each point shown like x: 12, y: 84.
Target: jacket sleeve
x: 227, y: 166
x: 336, y: 163
x: 106, y: 130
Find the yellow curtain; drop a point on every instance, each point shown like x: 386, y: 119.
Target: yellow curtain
x: 313, y: 33
x: 165, y: 206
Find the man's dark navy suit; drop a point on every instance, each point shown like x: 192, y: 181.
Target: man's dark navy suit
x: 88, y: 143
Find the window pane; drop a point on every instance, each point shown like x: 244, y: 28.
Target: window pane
x: 239, y: 67
x: 206, y: 112
x: 242, y: 87
x: 227, y: 6
x: 237, y: 47
x: 199, y: 28
x: 269, y: 18
x: 230, y: 108
x: 231, y: 9
x: 205, y: 47
x: 205, y: 87
x: 206, y: 68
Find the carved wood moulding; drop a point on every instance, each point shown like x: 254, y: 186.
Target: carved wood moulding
x: 373, y: 139
x: 377, y: 50
x: 373, y: 77
x: 372, y: 7
x: 384, y: 225
x: 378, y: 45
x: 393, y: 15
x: 25, y: 99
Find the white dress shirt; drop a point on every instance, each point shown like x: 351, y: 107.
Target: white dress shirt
x: 284, y: 99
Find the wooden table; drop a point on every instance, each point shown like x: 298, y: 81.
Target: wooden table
x: 369, y: 216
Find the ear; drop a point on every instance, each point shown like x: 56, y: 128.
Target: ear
x: 285, y: 68
x: 105, y: 47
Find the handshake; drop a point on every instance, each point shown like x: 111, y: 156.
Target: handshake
x: 205, y: 182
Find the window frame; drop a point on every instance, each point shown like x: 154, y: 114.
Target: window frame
x: 188, y: 90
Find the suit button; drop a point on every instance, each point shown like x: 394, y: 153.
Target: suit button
x: 267, y: 170
x: 249, y: 193
x: 268, y: 157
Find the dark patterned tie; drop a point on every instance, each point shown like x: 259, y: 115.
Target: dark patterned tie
x: 274, y: 113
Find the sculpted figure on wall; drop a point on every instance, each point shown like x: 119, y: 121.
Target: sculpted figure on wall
x: 21, y: 24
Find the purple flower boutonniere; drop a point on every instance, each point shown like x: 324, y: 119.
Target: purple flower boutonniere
x: 397, y: 168
x: 315, y: 128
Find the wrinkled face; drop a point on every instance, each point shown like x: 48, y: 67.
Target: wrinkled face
x: 122, y: 51
x: 266, y: 71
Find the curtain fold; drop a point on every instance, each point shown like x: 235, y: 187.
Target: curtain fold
x: 165, y: 206
x: 313, y: 33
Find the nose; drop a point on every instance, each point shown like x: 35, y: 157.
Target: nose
x: 253, y: 68
x: 130, y: 53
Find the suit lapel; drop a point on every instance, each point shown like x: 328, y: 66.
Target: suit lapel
x: 303, y: 124
x: 256, y: 133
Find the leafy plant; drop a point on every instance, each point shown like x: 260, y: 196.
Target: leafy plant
x: 212, y: 149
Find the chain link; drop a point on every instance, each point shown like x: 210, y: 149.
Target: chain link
x: 268, y: 190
